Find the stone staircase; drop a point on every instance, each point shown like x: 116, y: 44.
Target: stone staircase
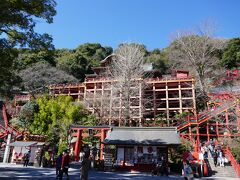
x: 226, y: 172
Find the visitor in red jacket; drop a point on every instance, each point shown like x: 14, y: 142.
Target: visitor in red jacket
x: 65, y: 164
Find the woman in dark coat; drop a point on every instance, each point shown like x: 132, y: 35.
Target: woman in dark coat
x: 58, y: 165
x: 85, y: 167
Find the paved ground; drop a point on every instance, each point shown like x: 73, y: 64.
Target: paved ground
x: 17, y: 172
x: 14, y: 172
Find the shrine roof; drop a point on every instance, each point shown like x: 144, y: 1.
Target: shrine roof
x: 143, y: 136
x: 23, y: 143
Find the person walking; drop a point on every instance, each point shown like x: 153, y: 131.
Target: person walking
x: 58, y: 165
x: 85, y: 167
x: 81, y: 155
x: 221, y: 158
x: 164, y: 167
x: 27, y: 158
x: 65, y: 164
x: 187, y: 171
x: 215, y: 157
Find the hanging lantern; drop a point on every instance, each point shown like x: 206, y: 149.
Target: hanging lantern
x: 150, y: 149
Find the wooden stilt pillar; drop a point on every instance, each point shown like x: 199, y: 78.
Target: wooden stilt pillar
x: 198, y: 139
x: 189, y: 129
x: 78, y: 145
x: 227, y: 119
x: 217, y: 130
x: 190, y: 132
x: 167, y: 104
x: 208, y: 135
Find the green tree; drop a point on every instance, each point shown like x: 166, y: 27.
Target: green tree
x: 74, y: 64
x: 17, y: 22
x: 18, y: 19
x: 231, y: 54
x: 141, y: 47
x: 25, y: 117
x: 8, y: 77
x: 159, y: 60
x: 55, y: 115
x: 58, y: 53
x: 79, y: 61
x: 93, y: 52
x: 28, y: 57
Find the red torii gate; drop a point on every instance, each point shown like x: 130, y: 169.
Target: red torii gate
x: 77, y: 131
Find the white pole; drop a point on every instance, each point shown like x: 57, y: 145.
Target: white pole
x: 7, y: 149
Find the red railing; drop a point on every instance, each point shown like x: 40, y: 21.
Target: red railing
x: 4, y: 111
x: 233, y: 161
x: 8, y: 128
x: 22, y: 97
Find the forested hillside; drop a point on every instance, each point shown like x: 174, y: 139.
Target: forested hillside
x: 39, y: 68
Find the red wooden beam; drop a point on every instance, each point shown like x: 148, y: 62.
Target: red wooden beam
x: 222, y: 135
x: 85, y: 134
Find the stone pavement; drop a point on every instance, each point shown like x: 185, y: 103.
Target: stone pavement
x: 18, y: 172
x: 15, y: 172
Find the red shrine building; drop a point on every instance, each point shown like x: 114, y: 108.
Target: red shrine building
x: 159, y: 96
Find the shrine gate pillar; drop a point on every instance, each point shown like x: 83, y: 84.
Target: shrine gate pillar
x: 78, y: 145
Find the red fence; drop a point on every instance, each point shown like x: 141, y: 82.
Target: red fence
x: 234, y: 163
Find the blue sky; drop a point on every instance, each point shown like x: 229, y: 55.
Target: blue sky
x: 149, y: 22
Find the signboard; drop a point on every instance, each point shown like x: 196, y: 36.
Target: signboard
x: 108, y: 161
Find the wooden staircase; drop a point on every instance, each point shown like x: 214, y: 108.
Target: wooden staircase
x: 204, y: 117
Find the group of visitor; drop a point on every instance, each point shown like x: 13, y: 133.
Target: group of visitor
x: 207, y: 149
x: 62, y: 164
x: 218, y: 157
x: 217, y: 154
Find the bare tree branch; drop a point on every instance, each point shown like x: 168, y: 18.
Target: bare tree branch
x: 196, y: 51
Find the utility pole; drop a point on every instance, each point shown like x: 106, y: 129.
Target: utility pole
x: 7, y: 149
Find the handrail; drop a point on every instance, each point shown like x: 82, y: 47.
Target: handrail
x: 1, y: 127
x: 22, y: 97
x: 233, y: 161
x: 203, y: 117
x: 8, y: 128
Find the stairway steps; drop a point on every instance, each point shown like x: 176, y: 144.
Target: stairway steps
x: 227, y: 171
